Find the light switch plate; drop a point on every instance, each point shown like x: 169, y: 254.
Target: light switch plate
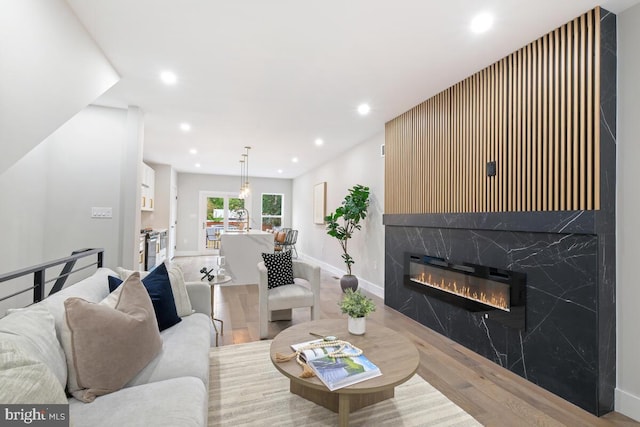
x: 101, y: 212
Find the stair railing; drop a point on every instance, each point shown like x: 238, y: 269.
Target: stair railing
x: 38, y: 272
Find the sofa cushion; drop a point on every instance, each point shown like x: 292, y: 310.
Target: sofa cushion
x: 26, y: 380
x: 279, y: 268
x: 106, y: 347
x: 33, y: 330
x: 185, y: 352
x: 178, y: 287
x: 159, y: 287
x: 176, y: 402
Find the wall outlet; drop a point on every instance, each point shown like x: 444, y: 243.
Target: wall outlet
x: 101, y: 212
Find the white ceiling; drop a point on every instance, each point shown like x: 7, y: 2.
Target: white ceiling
x: 277, y: 74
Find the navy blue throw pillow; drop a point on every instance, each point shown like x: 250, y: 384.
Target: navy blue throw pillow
x: 114, y: 282
x: 159, y: 287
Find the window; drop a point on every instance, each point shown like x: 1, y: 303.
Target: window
x: 271, y: 211
x: 237, y: 218
x: 215, y: 210
x: 226, y: 212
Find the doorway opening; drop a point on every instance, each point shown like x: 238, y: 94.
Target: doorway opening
x: 219, y: 212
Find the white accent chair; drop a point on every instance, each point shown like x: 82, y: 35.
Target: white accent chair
x: 276, y: 304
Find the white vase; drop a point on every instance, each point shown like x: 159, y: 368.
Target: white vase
x: 357, y: 325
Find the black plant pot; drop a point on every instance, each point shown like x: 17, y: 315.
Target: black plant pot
x: 349, y: 281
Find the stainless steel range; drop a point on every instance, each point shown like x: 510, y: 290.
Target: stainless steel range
x: 155, y: 248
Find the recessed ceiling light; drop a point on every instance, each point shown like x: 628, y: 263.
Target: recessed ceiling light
x: 186, y: 127
x: 168, y: 77
x: 481, y: 22
x: 319, y: 142
x: 294, y: 160
x: 197, y: 165
x: 364, y: 109
x: 193, y: 151
x: 279, y: 170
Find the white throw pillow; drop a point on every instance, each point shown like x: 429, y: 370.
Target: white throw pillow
x: 26, y: 380
x: 33, y: 330
x: 178, y: 287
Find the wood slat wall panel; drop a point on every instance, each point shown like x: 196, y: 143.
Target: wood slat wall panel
x: 563, y: 117
x: 589, y: 112
x: 535, y: 113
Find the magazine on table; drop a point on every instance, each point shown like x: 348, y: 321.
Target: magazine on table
x: 338, y: 372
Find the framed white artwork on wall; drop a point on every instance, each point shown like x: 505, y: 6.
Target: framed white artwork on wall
x: 319, y: 202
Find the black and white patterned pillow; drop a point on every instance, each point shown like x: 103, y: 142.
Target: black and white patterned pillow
x: 279, y: 269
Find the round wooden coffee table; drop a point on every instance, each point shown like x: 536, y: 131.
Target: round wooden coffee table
x: 394, y: 354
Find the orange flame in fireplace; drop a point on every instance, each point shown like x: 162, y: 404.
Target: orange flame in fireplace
x: 496, y: 300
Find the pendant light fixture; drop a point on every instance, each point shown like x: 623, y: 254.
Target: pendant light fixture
x: 244, y: 174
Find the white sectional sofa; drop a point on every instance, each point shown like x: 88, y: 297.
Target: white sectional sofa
x: 172, y: 390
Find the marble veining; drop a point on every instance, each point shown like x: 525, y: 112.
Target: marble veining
x: 558, y: 350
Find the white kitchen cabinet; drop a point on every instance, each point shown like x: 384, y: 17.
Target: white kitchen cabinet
x: 148, y: 188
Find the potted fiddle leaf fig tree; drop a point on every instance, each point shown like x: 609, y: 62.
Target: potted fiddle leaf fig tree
x: 357, y: 306
x: 342, y: 223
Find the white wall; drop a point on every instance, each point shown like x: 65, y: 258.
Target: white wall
x: 131, y: 190
x: 50, y: 68
x: 22, y: 207
x: 83, y: 171
x: 48, y: 194
x: 627, y: 399
x: 189, y: 188
x: 360, y: 165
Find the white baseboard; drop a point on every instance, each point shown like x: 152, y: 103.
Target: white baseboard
x: 627, y: 404
x: 364, y: 284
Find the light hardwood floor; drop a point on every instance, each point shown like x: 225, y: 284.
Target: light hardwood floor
x: 491, y: 394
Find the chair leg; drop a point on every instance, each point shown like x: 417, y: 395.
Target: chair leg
x: 314, y: 312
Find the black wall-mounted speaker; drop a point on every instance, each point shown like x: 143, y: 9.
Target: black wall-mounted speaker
x: 491, y: 168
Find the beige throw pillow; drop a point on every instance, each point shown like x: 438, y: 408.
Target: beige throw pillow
x: 106, y: 347
x: 178, y: 287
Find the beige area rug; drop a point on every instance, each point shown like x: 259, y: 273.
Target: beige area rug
x: 246, y: 390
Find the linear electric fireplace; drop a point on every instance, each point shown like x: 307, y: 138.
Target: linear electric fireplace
x: 494, y: 293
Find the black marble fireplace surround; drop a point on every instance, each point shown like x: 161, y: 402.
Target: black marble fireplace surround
x: 568, y: 344
x: 558, y: 350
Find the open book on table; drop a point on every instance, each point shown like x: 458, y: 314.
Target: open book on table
x: 338, y: 372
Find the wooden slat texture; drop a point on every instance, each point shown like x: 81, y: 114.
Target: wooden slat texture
x: 528, y: 104
x: 563, y: 117
x: 576, y: 114
x: 555, y: 189
x: 501, y: 169
x: 582, y: 125
x: 589, y: 108
x: 538, y: 128
x: 544, y: 161
x: 535, y: 113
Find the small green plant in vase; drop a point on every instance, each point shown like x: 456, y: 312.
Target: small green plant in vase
x: 357, y: 306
